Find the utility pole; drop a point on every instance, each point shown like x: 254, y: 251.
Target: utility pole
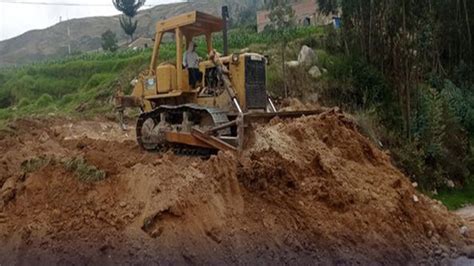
x: 68, y: 34
x: 68, y: 39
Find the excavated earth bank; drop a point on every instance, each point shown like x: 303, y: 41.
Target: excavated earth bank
x: 305, y: 191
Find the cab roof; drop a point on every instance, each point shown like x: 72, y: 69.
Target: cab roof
x: 193, y: 23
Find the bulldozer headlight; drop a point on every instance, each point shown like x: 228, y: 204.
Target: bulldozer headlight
x: 235, y: 58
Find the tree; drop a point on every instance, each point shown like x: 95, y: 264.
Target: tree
x: 328, y: 6
x: 282, y: 15
x: 407, y: 40
x: 129, y: 8
x: 129, y: 26
x: 109, y: 41
x: 282, y: 18
x: 248, y: 14
x: 416, y: 44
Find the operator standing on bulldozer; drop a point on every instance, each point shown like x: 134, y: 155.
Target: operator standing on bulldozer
x: 191, y: 62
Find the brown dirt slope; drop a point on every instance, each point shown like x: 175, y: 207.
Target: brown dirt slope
x: 305, y: 191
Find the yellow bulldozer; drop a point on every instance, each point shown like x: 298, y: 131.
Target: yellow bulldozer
x: 212, y: 116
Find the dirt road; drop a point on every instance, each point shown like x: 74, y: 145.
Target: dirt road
x: 305, y: 191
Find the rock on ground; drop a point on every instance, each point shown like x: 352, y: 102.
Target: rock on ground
x: 292, y: 64
x: 307, y: 57
x: 314, y: 72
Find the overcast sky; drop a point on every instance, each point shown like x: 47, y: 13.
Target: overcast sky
x: 16, y: 18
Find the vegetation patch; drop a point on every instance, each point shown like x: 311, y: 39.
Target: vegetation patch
x: 84, y: 171
x: 34, y: 164
x: 457, y: 198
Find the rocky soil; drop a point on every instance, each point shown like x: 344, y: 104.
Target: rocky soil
x: 311, y: 190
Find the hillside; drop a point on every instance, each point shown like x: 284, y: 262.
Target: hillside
x: 86, y: 32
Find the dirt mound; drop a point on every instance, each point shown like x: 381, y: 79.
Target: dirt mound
x: 346, y: 190
x: 309, y: 190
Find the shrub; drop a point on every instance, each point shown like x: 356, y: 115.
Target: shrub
x: 66, y: 99
x: 410, y: 158
x: 21, y: 86
x: 84, y: 171
x: 333, y: 41
x: 34, y: 164
x: 44, y: 101
x: 275, y: 81
x: 299, y: 82
x: 5, y: 114
x: 356, y: 85
x: 109, y: 41
x: 98, y: 80
x: 440, y: 148
x: 23, y: 103
x: 461, y: 103
x: 6, y: 99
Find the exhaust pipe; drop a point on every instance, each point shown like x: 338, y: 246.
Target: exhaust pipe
x: 225, y: 17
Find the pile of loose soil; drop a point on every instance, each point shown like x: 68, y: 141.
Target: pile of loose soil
x: 308, y: 190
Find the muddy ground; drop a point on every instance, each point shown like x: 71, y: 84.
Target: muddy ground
x: 305, y: 191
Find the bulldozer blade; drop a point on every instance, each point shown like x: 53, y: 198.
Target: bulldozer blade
x: 261, y: 118
x: 198, y: 138
x: 206, y: 139
x: 212, y: 141
x: 187, y: 139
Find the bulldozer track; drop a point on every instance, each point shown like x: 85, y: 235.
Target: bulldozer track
x: 175, y: 112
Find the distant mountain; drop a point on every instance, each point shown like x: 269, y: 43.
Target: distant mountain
x: 85, y: 33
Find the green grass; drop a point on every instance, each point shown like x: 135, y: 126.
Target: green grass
x: 457, y: 198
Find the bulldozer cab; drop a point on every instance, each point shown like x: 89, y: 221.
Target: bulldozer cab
x: 235, y: 83
x: 166, y: 78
